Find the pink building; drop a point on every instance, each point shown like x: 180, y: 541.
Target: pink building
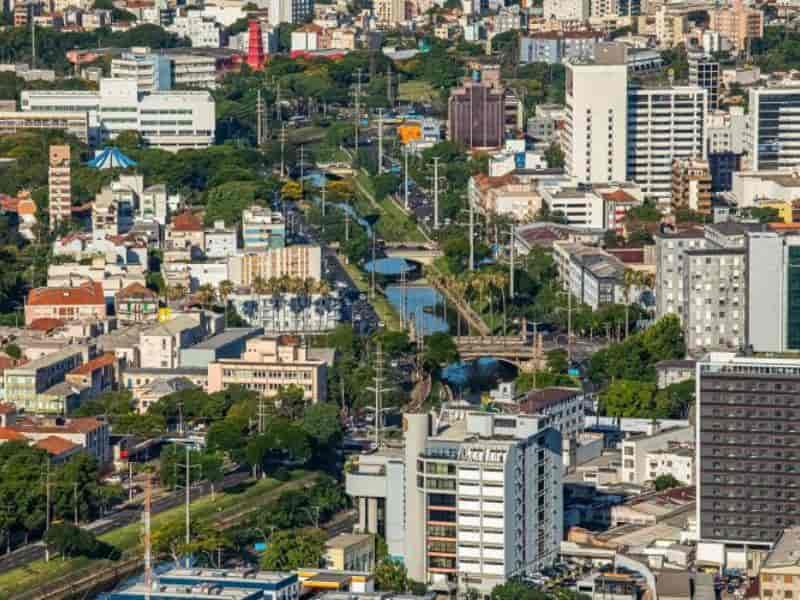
x: 82, y: 303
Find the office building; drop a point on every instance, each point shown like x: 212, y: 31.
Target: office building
x: 779, y: 576
x: 483, y: 499
x: 771, y: 138
x: 59, y: 186
x: 299, y: 261
x: 269, y: 364
x: 595, y: 128
x: 262, y: 229
x: 166, y: 120
x: 773, y: 290
x: 748, y: 418
x: 12, y: 122
x: 152, y: 72
x: 475, y: 113
x: 704, y: 73
x: 289, y: 11
x: 691, y: 185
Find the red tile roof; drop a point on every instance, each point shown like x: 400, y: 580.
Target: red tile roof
x: 56, y: 446
x: 46, y: 324
x: 619, y: 195
x: 104, y: 360
x: 9, y: 363
x: 186, y: 221
x: 9, y: 435
x: 77, y: 425
x: 538, y: 400
x: 89, y: 293
x: 7, y: 408
x: 136, y: 290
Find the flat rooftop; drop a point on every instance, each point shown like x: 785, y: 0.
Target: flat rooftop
x: 226, y: 337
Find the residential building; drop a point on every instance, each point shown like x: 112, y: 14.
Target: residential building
x: 671, y: 26
x: 95, y: 376
x: 115, y: 205
x: 139, y: 381
x: 160, y: 345
x: 468, y: 524
x: 154, y: 204
x: 220, y: 242
x: 591, y: 275
x: 376, y: 483
x: 726, y: 130
x: 117, y: 106
x: 562, y: 409
x: 475, y: 113
x: 704, y: 73
x: 112, y: 277
x: 12, y: 122
x: 59, y: 186
x: 152, y: 72
x: 80, y: 303
x: 771, y: 140
x: 618, y: 201
x: 595, y: 129
x: 350, y: 552
x: 755, y: 188
x: 566, y: 10
x: 299, y: 261
x: 546, y: 125
x: 676, y: 460
x: 664, y: 124
x: 390, y: 12
x: 779, y: 576
x: 580, y: 206
x: 270, y: 363
x: 150, y: 393
x: 186, y: 232
x: 289, y: 11
x: 202, y: 31
x: 635, y: 449
x: 669, y: 372
x: 506, y: 195
x: 231, y: 343
x: 194, y: 70
x: 136, y: 304
x: 738, y: 23
x: 557, y: 47
x: 773, y: 300
x: 747, y: 498
x: 26, y: 386
x: 691, y: 185
x: 262, y: 229
x: 289, y: 312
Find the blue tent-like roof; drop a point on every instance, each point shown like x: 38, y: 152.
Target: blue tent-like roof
x: 109, y: 158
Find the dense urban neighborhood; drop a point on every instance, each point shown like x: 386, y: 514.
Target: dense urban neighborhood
x: 400, y: 300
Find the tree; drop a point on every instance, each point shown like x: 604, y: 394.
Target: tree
x: 291, y: 190
x: 385, y: 185
x: 666, y: 481
x: 13, y: 351
x: 440, y: 350
x: 391, y: 576
x: 228, y: 436
x: 291, y: 550
x: 517, y: 590
x: 554, y: 156
x: 70, y: 541
x: 626, y: 398
x: 321, y: 422
x: 291, y: 402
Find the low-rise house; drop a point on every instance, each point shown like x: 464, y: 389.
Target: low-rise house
x: 220, y: 242
x: 85, y: 301
x: 129, y: 249
x: 97, y: 375
x: 137, y: 380
x: 186, y: 232
x: 505, y: 195
x: 269, y: 364
x: 350, y: 552
x: 160, y: 345
x: 150, y: 393
x: 674, y: 371
x: 136, y: 304
x: 779, y: 576
x: 27, y: 386
x: 636, y: 447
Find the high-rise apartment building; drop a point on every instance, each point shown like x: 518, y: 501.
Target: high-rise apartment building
x: 738, y: 23
x: 664, y: 123
x: 704, y: 73
x: 483, y: 499
x: 773, y: 281
x: 476, y: 115
x: 595, y: 128
x: 152, y: 72
x: 691, y: 185
x: 289, y: 11
x: 390, y: 12
x: 59, y: 184
x: 771, y: 140
x: 262, y: 229
x: 748, y: 447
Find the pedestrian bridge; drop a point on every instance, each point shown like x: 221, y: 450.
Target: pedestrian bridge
x: 420, y: 253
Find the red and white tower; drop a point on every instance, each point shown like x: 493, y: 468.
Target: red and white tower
x: 255, y: 46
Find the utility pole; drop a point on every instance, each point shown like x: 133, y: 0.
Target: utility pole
x: 261, y: 414
x: 471, y: 235
x: 436, y: 192
x: 358, y: 108
x: 283, y: 148
x: 259, y: 120
x: 302, y: 162
x: 380, y: 141
x: 130, y: 480
x: 75, y: 502
x: 405, y: 176
x: 372, y: 270
x: 148, y: 559
x: 33, y: 38
x: 569, y: 326
x: 188, y: 499
x: 324, y: 187
x: 47, y: 508
x: 511, y: 262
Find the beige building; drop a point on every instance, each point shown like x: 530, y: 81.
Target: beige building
x: 59, y: 186
x: 390, y: 12
x: 691, y: 185
x: 738, y: 23
x: 270, y: 363
x: 671, y: 26
x: 75, y: 123
x: 186, y: 232
x: 298, y: 261
x: 505, y: 195
x: 350, y: 552
x: 779, y: 577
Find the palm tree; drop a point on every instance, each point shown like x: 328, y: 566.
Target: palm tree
x: 225, y: 290
x: 500, y: 281
x: 176, y: 291
x: 206, y: 294
x: 259, y: 286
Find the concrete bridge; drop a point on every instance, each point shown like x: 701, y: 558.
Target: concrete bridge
x: 421, y: 253
x: 340, y: 169
x: 520, y: 351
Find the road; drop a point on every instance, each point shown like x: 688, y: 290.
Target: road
x: 31, y: 552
